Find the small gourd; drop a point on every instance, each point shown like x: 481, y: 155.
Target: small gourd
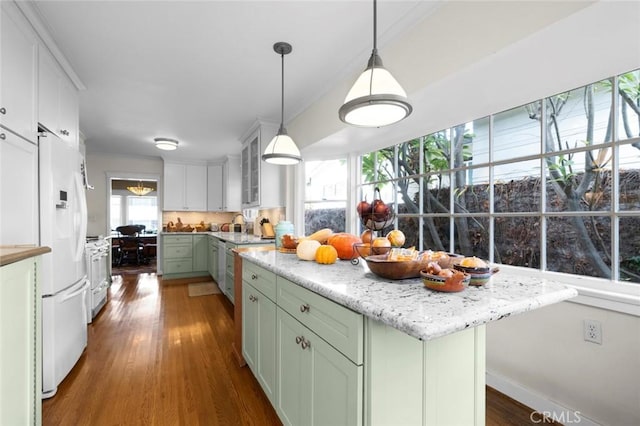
x: 306, y: 249
x: 326, y: 255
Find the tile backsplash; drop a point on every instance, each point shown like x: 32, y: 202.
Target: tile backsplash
x: 194, y: 218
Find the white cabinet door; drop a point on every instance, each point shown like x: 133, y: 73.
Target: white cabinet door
x: 48, y: 91
x: 18, y: 66
x: 57, y: 99
x: 18, y: 190
x: 262, y: 183
x: 174, y: 183
x: 231, y: 185
x: 68, y: 114
x: 196, y: 187
x: 185, y: 186
x: 215, y: 188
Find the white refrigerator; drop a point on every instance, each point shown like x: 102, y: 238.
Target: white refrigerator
x: 63, y: 227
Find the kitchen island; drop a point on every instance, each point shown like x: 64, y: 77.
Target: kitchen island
x: 374, y: 351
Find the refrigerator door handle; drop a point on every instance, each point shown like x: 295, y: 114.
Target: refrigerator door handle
x: 82, y: 201
x: 76, y: 293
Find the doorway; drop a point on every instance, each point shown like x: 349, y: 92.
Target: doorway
x: 134, y: 204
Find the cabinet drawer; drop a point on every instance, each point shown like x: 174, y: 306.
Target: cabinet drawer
x: 339, y: 326
x: 178, y: 266
x: 178, y: 251
x: 263, y: 280
x: 178, y: 239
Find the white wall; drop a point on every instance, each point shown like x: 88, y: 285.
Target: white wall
x: 543, y: 353
x: 98, y: 166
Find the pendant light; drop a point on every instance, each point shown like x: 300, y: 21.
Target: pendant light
x: 376, y: 99
x: 282, y: 149
x: 140, y: 190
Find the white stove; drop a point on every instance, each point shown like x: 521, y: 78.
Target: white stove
x: 97, y: 254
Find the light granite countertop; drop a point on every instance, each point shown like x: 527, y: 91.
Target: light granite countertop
x: 409, y: 306
x: 239, y: 238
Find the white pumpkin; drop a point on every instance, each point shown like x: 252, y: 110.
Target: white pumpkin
x: 306, y: 249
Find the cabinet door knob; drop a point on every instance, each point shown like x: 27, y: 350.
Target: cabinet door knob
x: 305, y: 344
x: 3, y: 136
x: 3, y: 110
x: 304, y: 308
x: 298, y: 339
x: 254, y: 277
x: 64, y: 132
x: 253, y: 298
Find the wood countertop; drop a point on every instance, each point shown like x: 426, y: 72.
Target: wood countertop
x: 11, y: 254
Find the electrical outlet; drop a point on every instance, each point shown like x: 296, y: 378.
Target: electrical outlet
x: 592, y: 331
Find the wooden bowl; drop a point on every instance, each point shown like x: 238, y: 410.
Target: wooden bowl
x: 452, y: 284
x: 394, y: 270
x: 365, y: 249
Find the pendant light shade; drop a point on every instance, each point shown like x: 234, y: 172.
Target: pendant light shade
x: 376, y: 99
x: 282, y: 150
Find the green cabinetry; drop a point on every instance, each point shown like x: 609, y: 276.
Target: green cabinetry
x: 336, y: 367
x: 259, y: 337
x: 184, y: 255
x: 305, y: 351
x: 213, y: 256
x: 20, y: 342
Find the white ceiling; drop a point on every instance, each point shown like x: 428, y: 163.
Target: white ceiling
x: 202, y: 72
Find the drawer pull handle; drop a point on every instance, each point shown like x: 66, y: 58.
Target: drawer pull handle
x: 305, y: 344
x: 3, y: 110
x: 298, y: 339
x: 3, y: 136
x: 254, y: 277
x: 304, y: 308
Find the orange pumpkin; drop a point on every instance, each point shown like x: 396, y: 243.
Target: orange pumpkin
x: 343, y: 243
x: 326, y: 254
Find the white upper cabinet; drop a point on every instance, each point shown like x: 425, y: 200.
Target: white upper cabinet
x: 223, y: 185
x: 262, y: 183
x: 231, y: 184
x: 215, y: 188
x: 57, y: 100
x: 185, y: 186
x: 18, y: 68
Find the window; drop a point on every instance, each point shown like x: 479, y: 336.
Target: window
x: 551, y: 185
x: 131, y: 209
x: 325, y: 195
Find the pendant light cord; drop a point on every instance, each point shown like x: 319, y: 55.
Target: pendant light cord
x: 375, y: 27
x: 282, y: 94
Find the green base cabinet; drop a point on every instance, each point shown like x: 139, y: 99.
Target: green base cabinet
x: 184, y: 256
x: 20, y: 344
x: 259, y: 338
x: 317, y: 385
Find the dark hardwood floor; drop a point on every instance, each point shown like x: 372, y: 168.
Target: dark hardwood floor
x: 159, y: 357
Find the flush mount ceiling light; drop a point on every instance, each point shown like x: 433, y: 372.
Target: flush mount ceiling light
x: 140, y: 190
x: 282, y: 149
x: 376, y: 99
x: 166, y: 144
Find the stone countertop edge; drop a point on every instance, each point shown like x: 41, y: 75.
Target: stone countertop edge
x: 407, y: 305
x: 12, y: 254
x: 232, y: 237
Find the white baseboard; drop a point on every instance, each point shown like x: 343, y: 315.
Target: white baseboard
x: 539, y: 403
